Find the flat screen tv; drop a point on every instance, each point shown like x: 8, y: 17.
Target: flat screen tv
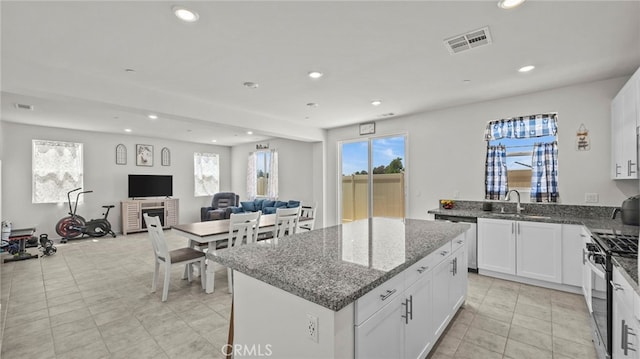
x: 150, y: 186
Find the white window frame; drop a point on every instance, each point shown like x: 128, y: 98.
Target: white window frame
x: 206, y: 174
x: 56, y: 168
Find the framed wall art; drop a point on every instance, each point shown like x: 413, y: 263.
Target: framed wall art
x: 144, y: 155
x: 165, y: 156
x: 121, y: 154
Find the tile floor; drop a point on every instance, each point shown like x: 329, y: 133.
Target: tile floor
x: 92, y: 300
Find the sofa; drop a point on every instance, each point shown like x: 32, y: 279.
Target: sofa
x: 221, y: 206
x: 264, y: 205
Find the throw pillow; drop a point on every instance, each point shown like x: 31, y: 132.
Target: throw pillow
x: 258, y: 203
x: 237, y: 209
x: 269, y: 210
x: 280, y: 204
x: 248, y: 206
x: 267, y: 203
x: 293, y: 204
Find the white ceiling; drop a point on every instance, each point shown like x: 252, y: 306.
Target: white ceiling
x: 68, y: 60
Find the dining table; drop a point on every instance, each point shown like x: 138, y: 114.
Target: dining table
x: 210, y: 232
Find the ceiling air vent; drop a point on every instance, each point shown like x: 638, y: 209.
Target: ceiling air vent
x: 470, y: 40
x: 21, y: 106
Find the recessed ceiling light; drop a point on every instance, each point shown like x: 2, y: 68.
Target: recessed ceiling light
x: 315, y: 74
x: 251, y: 85
x: 249, y: 133
x: 509, y: 4
x: 466, y: 81
x: 127, y: 130
x: 376, y: 102
x: 526, y: 68
x: 152, y: 116
x: 129, y: 70
x: 312, y: 104
x: 185, y: 14
x: 214, y: 140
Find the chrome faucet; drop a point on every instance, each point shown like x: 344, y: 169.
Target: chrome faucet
x: 508, y: 197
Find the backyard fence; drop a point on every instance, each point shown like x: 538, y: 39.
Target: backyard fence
x: 388, y: 196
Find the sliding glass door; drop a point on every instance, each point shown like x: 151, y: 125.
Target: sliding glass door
x: 372, y: 178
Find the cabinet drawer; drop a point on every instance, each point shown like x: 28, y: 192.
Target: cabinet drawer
x: 426, y: 264
x: 458, y: 242
x: 378, y: 298
x: 622, y: 288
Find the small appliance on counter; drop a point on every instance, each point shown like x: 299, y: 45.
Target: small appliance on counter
x: 629, y: 211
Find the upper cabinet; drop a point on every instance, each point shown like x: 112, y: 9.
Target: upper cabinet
x: 625, y: 118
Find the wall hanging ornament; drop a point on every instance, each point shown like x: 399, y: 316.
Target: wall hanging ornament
x: 121, y: 154
x: 582, y: 139
x: 165, y: 156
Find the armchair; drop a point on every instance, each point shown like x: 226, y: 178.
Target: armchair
x: 220, y: 206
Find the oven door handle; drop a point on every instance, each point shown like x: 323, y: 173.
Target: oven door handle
x: 600, y: 273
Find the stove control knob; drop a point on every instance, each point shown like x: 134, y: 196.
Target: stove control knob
x: 591, y: 247
x: 599, y: 259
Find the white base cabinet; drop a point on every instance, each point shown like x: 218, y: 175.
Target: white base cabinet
x: 411, y: 321
x: 526, y: 249
x: 625, y: 325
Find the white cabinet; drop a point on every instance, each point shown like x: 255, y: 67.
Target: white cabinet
x: 381, y: 336
x: 496, y: 245
x: 625, y: 325
x: 419, y: 325
x: 539, y: 251
x: 450, y: 288
x: 420, y: 304
x: 526, y: 249
x: 625, y: 112
x: 573, y: 248
x: 132, y: 211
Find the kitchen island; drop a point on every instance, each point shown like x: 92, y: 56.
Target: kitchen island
x: 372, y: 288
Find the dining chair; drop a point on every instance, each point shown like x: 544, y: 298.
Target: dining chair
x: 286, y: 222
x: 187, y: 256
x: 307, y: 211
x: 243, y: 229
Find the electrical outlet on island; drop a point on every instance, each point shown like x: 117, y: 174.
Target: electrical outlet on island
x: 312, y: 327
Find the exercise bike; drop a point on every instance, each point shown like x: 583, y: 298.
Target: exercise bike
x: 75, y: 225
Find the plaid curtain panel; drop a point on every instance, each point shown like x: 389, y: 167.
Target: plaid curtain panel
x: 522, y: 127
x: 544, y: 176
x: 496, y: 172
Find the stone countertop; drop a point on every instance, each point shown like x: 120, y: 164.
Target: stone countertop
x: 594, y: 220
x: 334, y: 266
x: 629, y: 269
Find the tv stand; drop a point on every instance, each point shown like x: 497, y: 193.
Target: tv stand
x: 132, y: 210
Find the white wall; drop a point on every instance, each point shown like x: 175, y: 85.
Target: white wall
x: 296, y: 177
x: 101, y: 174
x: 446, y: 152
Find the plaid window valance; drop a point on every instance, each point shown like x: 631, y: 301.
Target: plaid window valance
x: 522, y: 127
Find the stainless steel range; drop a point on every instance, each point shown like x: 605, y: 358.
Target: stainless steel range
x: 597, y: 260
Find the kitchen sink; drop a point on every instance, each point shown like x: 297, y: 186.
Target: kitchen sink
x: 522, y: 216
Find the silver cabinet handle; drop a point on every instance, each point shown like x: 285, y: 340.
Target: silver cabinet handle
x: 406, y: 311
x: 424, y: 268
x: 617, y: 168
x: 518, y: 224
x: 444, y: 253
x: 630, y: 169
x: 387, y: 294
x: 411, y: 307
x: 512, y: 227
x: 460, y: 241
